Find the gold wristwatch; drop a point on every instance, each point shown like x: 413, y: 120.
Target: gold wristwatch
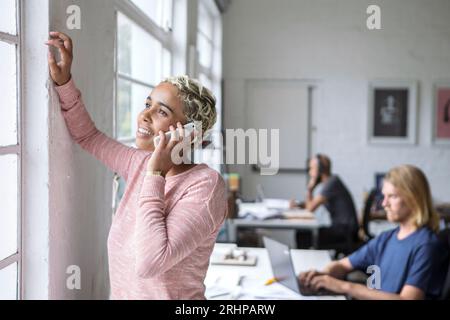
x: 154, y: 173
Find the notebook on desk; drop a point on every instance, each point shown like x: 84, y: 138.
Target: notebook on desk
x: 258, y: 211
x: 283, y: 269
x: 298, y: 214
x: 264, y: 208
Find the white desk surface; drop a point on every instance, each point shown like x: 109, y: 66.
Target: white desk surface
x: 224, y: 278
x: 279, y: 223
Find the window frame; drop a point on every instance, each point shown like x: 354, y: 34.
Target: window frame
x: 214, y: 72
x: 17, y: 149
x: 165, y: 37
x: 208, y: 71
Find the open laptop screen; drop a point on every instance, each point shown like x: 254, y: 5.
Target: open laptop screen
x: 282, y: 267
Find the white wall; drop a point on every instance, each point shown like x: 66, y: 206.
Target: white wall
x: 80, y: 187
x: 327, y: 40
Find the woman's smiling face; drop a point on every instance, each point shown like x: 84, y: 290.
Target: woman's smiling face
x: 163, y: 108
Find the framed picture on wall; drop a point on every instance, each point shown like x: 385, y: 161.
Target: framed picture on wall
x: 392, y: 112
x: 441, y: 119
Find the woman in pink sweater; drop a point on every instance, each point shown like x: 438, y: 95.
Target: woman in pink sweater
x: 165, y: 227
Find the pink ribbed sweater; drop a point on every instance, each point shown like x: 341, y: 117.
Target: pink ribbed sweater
x: 164, y: 230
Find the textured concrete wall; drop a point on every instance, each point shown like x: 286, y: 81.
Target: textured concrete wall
x: 80, y: 187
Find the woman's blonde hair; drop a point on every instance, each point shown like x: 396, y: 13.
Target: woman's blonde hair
x: 199, y: 102
x: 413, y: 187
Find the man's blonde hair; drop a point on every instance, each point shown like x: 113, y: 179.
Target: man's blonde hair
x: 199, y: 102
x: 413, y: 186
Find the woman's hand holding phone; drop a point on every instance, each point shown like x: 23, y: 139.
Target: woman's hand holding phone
x: 161, y: 159
x: 188, y: 129
x: 60, y: 71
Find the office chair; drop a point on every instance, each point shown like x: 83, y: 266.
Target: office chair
x: 342, y: 242
x: 366, y: 214
x: 444, y: 237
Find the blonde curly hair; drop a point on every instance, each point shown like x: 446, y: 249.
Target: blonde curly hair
x: 199, y: 102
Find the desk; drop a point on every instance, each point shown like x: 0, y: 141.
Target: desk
x: 254, y: 277
x: 312, y: 225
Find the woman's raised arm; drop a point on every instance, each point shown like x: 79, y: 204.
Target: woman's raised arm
x: 60, y: 72
x: 113, y: 154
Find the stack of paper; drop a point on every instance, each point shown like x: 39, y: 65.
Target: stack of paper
x: 257, y: 210
x: 280, y: 204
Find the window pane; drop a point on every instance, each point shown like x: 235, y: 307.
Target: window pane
x: 8, y: 282
x: 166, y: 64
x: 8, y: 98
x: 205, y: 51
x: 167, y: 17
x: 205, y: 22
x: 8, y: 212
x: 152, y: 8
x: 205, y: 81
x: 160, y: 11
x: 131, y: 101
x: 139, y: 54
x: 8, y: 16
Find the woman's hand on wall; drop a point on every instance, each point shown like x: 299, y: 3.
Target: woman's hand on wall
x: 60, y: 72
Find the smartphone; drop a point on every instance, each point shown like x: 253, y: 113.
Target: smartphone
x: 188, y: 129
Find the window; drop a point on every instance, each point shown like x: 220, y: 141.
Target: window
x: 10, y: 151
x: 209, y: 48
x: 143, y: 59
x: 159, y: 11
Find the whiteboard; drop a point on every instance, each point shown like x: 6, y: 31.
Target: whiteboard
x: 283, y: 105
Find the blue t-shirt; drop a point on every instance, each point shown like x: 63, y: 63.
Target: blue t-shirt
x: 418, y: 260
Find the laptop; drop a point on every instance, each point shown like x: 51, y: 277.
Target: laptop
x: 283, y: 269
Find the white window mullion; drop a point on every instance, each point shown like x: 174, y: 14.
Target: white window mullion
x: 141, y: 19
x: 10, y: 260
x: 10, y: 150
x: 132, y: 80
x: 9, y: 38
x: 207, y: 38
x: 20, y: 85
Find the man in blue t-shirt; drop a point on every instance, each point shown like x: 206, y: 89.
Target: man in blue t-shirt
x: 408, y: 262
x: 414, y: 261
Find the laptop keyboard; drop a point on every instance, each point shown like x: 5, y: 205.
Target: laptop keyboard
x: 308, y: 291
